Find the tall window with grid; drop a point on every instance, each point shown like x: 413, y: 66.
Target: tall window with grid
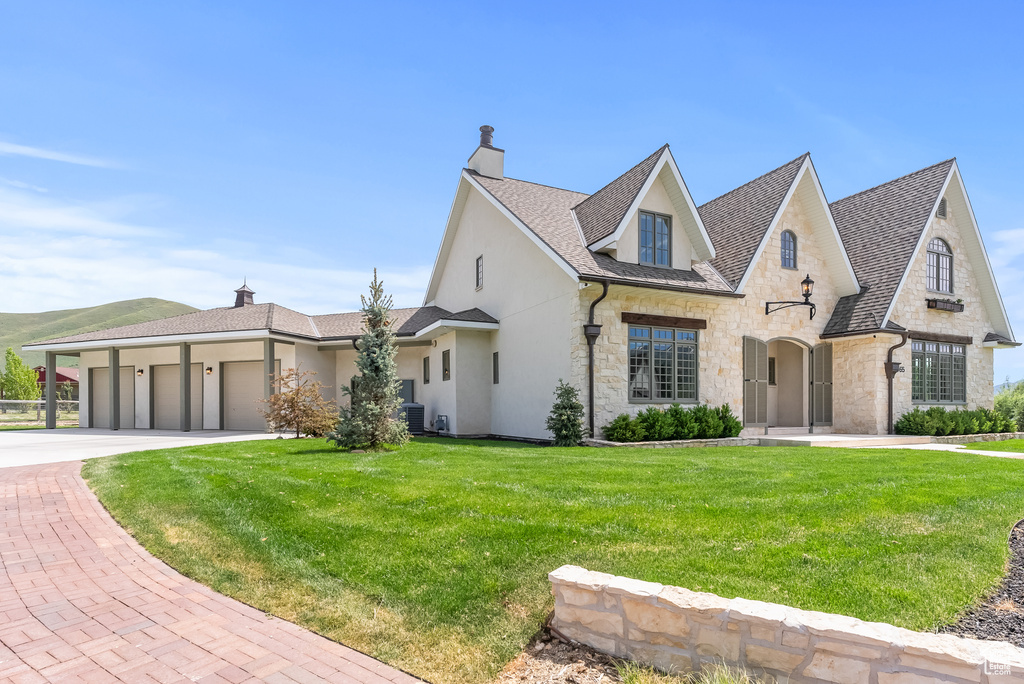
x: 788, y: 249
x: 939, y: 276
x: 938, y: 373
x: 655, y: 239
x: 662, y: 365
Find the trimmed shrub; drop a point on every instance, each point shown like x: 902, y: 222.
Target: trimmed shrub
x: 684, y: 425
x: 939, y: 421
x: 565, y: 421
x: 624, y: 429
x: 656, y: 424
x: 731, y: 425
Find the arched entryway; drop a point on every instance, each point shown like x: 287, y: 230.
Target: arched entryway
x: 788, y: 383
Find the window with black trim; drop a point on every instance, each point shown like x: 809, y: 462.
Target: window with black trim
x: 662, y: 365
x: 938, y: 373
x: 940, y: 266
x: 426, y: 370
x: 480, y: 271
x: 655, y: 239
x: 771, y: 371
x: 446, y: 366
x: 788, y: 249
x: 494, y: 368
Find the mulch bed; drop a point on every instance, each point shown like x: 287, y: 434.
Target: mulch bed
x: 549, y: 660
x: 1001, y: 616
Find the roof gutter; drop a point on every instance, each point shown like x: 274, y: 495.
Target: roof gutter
x: 650, y: 286
x: 592, y: 331
x: 892, y: 368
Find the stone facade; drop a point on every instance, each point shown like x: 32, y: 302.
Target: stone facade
x: 912, y: 312
x: 678, y: 630
x: 860, y: 404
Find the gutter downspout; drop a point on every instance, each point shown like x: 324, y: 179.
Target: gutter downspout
x: 891, y: 369
x: 592, y: 331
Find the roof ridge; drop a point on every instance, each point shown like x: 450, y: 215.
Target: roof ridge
x: 520, y: 180
x: 751, y: 182
x: 646, y: 159
x: 270, y: 316
x: 895, y: 180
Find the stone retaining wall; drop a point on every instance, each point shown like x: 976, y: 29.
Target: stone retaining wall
x: 676, y: 443
x: 988, y: 437
x: 678, y: 630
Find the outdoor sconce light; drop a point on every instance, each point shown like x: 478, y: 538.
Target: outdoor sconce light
x: 209, y: 370
x: 806, y: 289
x: 139, y: 372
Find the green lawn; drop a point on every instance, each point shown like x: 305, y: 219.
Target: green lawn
x: 435, y: 558
x: 30, y: 427
x: 1005, y: 445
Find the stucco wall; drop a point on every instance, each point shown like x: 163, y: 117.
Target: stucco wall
x: 532, y: 297
x: 205, y: 354
x: 912, y: 313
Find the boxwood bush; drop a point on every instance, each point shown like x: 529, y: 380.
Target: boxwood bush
x: 940, y: 422
x: 677, y: 422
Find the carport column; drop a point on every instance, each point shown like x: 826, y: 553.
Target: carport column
x: 114, y: 365
x: 185, y: 391
x: 51, y: 390
x: 268, y: 371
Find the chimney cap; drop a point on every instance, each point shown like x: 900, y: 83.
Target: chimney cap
x: 486, y: 135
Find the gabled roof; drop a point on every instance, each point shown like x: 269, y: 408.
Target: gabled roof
x: 738, y: 220
x: 601, y: 213
x: 405, y: 322
x: 882, y: 228
x: 547, y: 213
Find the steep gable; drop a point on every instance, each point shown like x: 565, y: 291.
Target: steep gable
x: 745, y: 221
x: 882, y: 228
x: 606, y: 216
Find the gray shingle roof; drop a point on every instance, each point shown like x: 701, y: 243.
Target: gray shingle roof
x: 738, y: 220
x: 880, y: 228
x: 226, y: 319
x: 547, y: 212
x: 1001, y: 339
x: 601, y: 213
x: 278, y: 319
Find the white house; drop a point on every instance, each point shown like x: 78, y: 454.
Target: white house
x: 796, y: 312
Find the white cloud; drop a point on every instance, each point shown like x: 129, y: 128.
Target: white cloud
x: 58, y: 255
x: 14, y: 150
x: 22, y: 185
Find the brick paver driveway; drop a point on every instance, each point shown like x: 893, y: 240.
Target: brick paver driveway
x: 81, y: 601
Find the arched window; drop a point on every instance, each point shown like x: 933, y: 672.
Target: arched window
x: 788, y: 249
x: 940, y: 266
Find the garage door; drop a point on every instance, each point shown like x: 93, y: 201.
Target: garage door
x: 243, y: 390
x: 99, y: 392
x: 166, y: 397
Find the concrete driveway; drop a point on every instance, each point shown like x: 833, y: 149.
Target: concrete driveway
x: 31, y: 447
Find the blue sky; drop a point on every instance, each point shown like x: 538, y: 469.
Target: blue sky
x: 171, y: 150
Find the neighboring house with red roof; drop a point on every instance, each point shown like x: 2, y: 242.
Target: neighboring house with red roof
x: 64, y: 375
x: 637, y: 296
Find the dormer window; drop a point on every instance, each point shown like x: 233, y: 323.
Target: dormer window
x: 655, y: 239
x: 939, y: 277
x: 788, y: 249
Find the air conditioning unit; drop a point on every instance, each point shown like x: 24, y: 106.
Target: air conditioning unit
x: 413, y: 417
x: 441, y: 424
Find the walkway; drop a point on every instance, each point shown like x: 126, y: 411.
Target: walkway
x: 81, y: 601
x: 28, y: 447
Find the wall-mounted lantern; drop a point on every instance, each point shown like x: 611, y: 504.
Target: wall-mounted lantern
x: 806, y: 289
x: 209, y: 370
x: 139, y: 372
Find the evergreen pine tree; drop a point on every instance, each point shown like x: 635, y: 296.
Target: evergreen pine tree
x: 566, y: 418
x: 374, y: 396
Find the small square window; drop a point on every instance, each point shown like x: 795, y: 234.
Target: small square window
x: 426, y: 370
x: 446, y: 366
x: 480, y: 271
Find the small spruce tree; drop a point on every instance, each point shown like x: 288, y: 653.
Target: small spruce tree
x: 374, y: 398
x: 565, y: 421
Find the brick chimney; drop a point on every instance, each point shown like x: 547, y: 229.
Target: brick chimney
x: 488, y: 160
